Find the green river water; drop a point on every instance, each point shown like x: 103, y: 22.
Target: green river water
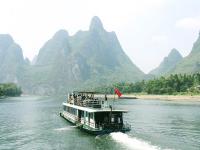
x: 34, y: 123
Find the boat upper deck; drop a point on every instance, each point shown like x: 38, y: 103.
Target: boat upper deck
x: 90, y: 109
x: 90, y: 102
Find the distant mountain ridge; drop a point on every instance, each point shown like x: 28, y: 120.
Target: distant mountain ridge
x: 11, y: 59
x: 191, y: 63
x: 168, y: 63
x: 175, y: 64
x: 85, y: 60
x: 82, y: 61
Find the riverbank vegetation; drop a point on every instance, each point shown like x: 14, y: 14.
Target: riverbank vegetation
x: 9, y: 89
x: 171, y: 85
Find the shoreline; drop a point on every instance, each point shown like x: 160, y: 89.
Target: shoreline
x: 166, y: 97
x: 184, y: 98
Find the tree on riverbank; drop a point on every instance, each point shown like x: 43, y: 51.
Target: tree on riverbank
x: 10, y: 89
x: 177, y: 83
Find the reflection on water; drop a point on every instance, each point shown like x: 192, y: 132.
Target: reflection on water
x: 34, y: 123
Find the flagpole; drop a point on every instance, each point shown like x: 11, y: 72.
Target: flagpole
x: 114, y: 97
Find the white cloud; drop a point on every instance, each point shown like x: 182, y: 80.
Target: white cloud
x: 189, y: 23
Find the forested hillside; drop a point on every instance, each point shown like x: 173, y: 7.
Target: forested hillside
x: 173, y: 84
x: 10, y: 89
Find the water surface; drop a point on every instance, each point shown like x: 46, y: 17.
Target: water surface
x: 34, y: 123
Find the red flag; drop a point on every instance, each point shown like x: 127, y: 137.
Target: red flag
x: 118, y: 92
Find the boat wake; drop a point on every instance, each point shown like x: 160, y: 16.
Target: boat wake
x: 132, y: 142
x: 65, y: 128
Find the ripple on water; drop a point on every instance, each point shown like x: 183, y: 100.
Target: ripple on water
x: 34, y: 123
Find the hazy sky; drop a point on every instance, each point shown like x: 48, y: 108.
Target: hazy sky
x: 146, y: 29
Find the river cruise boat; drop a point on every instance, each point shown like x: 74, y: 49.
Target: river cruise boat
x: 93, y: 114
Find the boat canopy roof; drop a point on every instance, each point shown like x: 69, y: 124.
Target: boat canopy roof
x: 86, y: 92
x: 94, y: 109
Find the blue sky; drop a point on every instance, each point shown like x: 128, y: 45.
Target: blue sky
x: 146, y: 29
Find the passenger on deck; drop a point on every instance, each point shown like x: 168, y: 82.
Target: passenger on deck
x: 106, y: 97
x: 83, y: 97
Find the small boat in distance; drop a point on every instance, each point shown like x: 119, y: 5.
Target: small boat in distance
x: 92, y: 113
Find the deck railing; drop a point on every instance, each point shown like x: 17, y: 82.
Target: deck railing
x: 87, y: 102
x: 92, y: 103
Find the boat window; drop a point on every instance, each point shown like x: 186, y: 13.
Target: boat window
x: 82, y: 114
x: 112, y: 119
x: 72, y: 110
x: 86, y: 114
x: 119, y: 120
x: 91, y: 115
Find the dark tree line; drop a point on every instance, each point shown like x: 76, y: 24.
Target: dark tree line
x: 10, y: 89
x: 173, y: 84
